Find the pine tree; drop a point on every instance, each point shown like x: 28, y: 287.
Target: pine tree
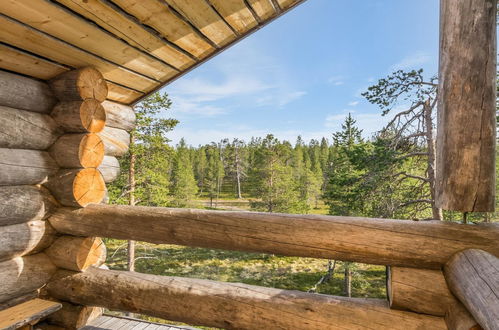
x: 183, y: 184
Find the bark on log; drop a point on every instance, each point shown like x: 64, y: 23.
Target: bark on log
x: 230, y: 305
x: 78, y: 150
x: 372, y: 241
x: 473, y: 277
x: 73, y: 317
x: 77, y: 187
x: 25, y: 93
x: 25, y: 238
x: 76, y: 253
x: 116, y: 141
x: 22, y: 275
x: 457, y: 317
x: 23, y: 129
x: 109, y: 168
x: 80, y: 116
x: 21, y: 166
x: 20, y: 204
x: 419, y: 290
x: 82, y: 84
x: 119, y: 115
x: 467, y: 106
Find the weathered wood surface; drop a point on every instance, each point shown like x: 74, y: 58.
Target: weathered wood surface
x: 125, y: 323
x: 80, y: 116
x: 20, y: 204
x: 23, y: 275
x: 119, y: 115
x: 467, y: 106
x: 72, y: 317
x: 473, y: 277
x: 81, y: 84
x: 229, y: 305
x: 76, y: 253
x: 25, y: 93
x: 25, y: 238
x: 22, y: 166
x: 19, y: 300
x: 116, y: 141
x: 78, y: 150
x: 23, y: 129
x: 109, y: 168
x: 419, y: 290
x: 457, y: 317
x: 26, y: 313
x: 376, y: 241
x: 77, y: 187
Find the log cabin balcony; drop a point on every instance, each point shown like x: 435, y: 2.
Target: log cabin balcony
x: 70, y: 74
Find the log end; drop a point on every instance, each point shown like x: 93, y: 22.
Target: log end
x: 91, y: 84
x: 92, y: 115
x: 88, y: 187
x: 91, y: 151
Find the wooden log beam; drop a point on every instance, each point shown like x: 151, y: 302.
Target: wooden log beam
x: 22, y: 166
x: 81, y: 84
x: 109, y: 168
x: 77, y: 253
x: 78, y: 150
x: 457, y: 317
x: 473, y: 277
x: 119, y: 115
x: 20, y: 204
x: 73, y: 317
x: 77, y: 187
x: 229, y: 305
x: 467, y: 106
x: 116, y: 141
x: 20, y: 92
x: 21, y: 129
x: 23, y: 275
x: 80, y: 116
x: 23, y: 316
x: 375, y: 241
x: 25, y: 238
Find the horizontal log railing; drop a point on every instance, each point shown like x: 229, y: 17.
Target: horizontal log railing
x: 422, y: 244
x: 230, y: 305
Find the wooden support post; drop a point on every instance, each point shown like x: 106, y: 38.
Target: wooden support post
x: 21, y: 166
x: 82, y: 84
x: 116, y: 141
x: 78, y: 150
x: 229, y: 305
x: 374, y: 241
x: 119, y: 115
x: 467, y: 106
x: 80, y: 116
x: 473, y: 277
x: 77, y: 253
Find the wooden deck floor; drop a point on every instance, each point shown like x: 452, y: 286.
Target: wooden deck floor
x: 125, y: 323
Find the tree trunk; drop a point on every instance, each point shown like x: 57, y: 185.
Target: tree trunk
x: 23, y: 167
x: 372, y: 241
x: 24, y: 93
x: 81, y: 84
x: 77, y: 253
x: 20, y: 204
x: 466, y: 134
x: 430, y: 142
x: 116, y: 141
x: 347, y: 281
x: 473, y: 277
x: 119, y: 116
x: 230, y: 305
x: 21, y: 129
x: 78, y: 150
x: 131, y: 201
x: 80, y: 116
x: 109, y: 168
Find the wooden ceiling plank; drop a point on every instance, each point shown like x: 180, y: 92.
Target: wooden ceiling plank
x: 101, y: 13
x: 263, y: 8
x: 285, y: 4
x: 27, y: 38
x: 205, y: 19
x: 122, y: 94
x: 56, y: 21
x: 158, y: 16
x: 18, y: 61
x: 236, y: 13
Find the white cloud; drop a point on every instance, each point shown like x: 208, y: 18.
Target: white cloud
x: 336, y: 80
x: 353, y: 103
x: 413, y: 61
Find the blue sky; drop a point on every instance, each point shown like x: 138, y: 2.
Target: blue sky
x: 301, y: 74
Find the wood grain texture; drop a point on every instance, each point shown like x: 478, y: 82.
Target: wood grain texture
x: 109, y: 168
x: 76, y: 253
x: 236, y: 13
x: 26, y: 313
x: 373, y: 241
x: 473, y: 277
x: 122, y: 94
x: 119, y: 115
x: 25, y: 238
x: 78, y: 85
x: 466, y: 133
x: 19, y: 204
x: 19, y: 300
x: 263, y: 8
x: 116, y: 141
x: 78, y: 150
x: 25, y: 93
x: 457, y: 317
x: 230, y: 305
x: 80, y: 116
x: 21, y: 166
x: 21, y: 129
x: 22, y: 275
x: 73, y: 317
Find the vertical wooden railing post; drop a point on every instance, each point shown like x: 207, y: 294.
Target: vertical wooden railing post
x: 466, y: 109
